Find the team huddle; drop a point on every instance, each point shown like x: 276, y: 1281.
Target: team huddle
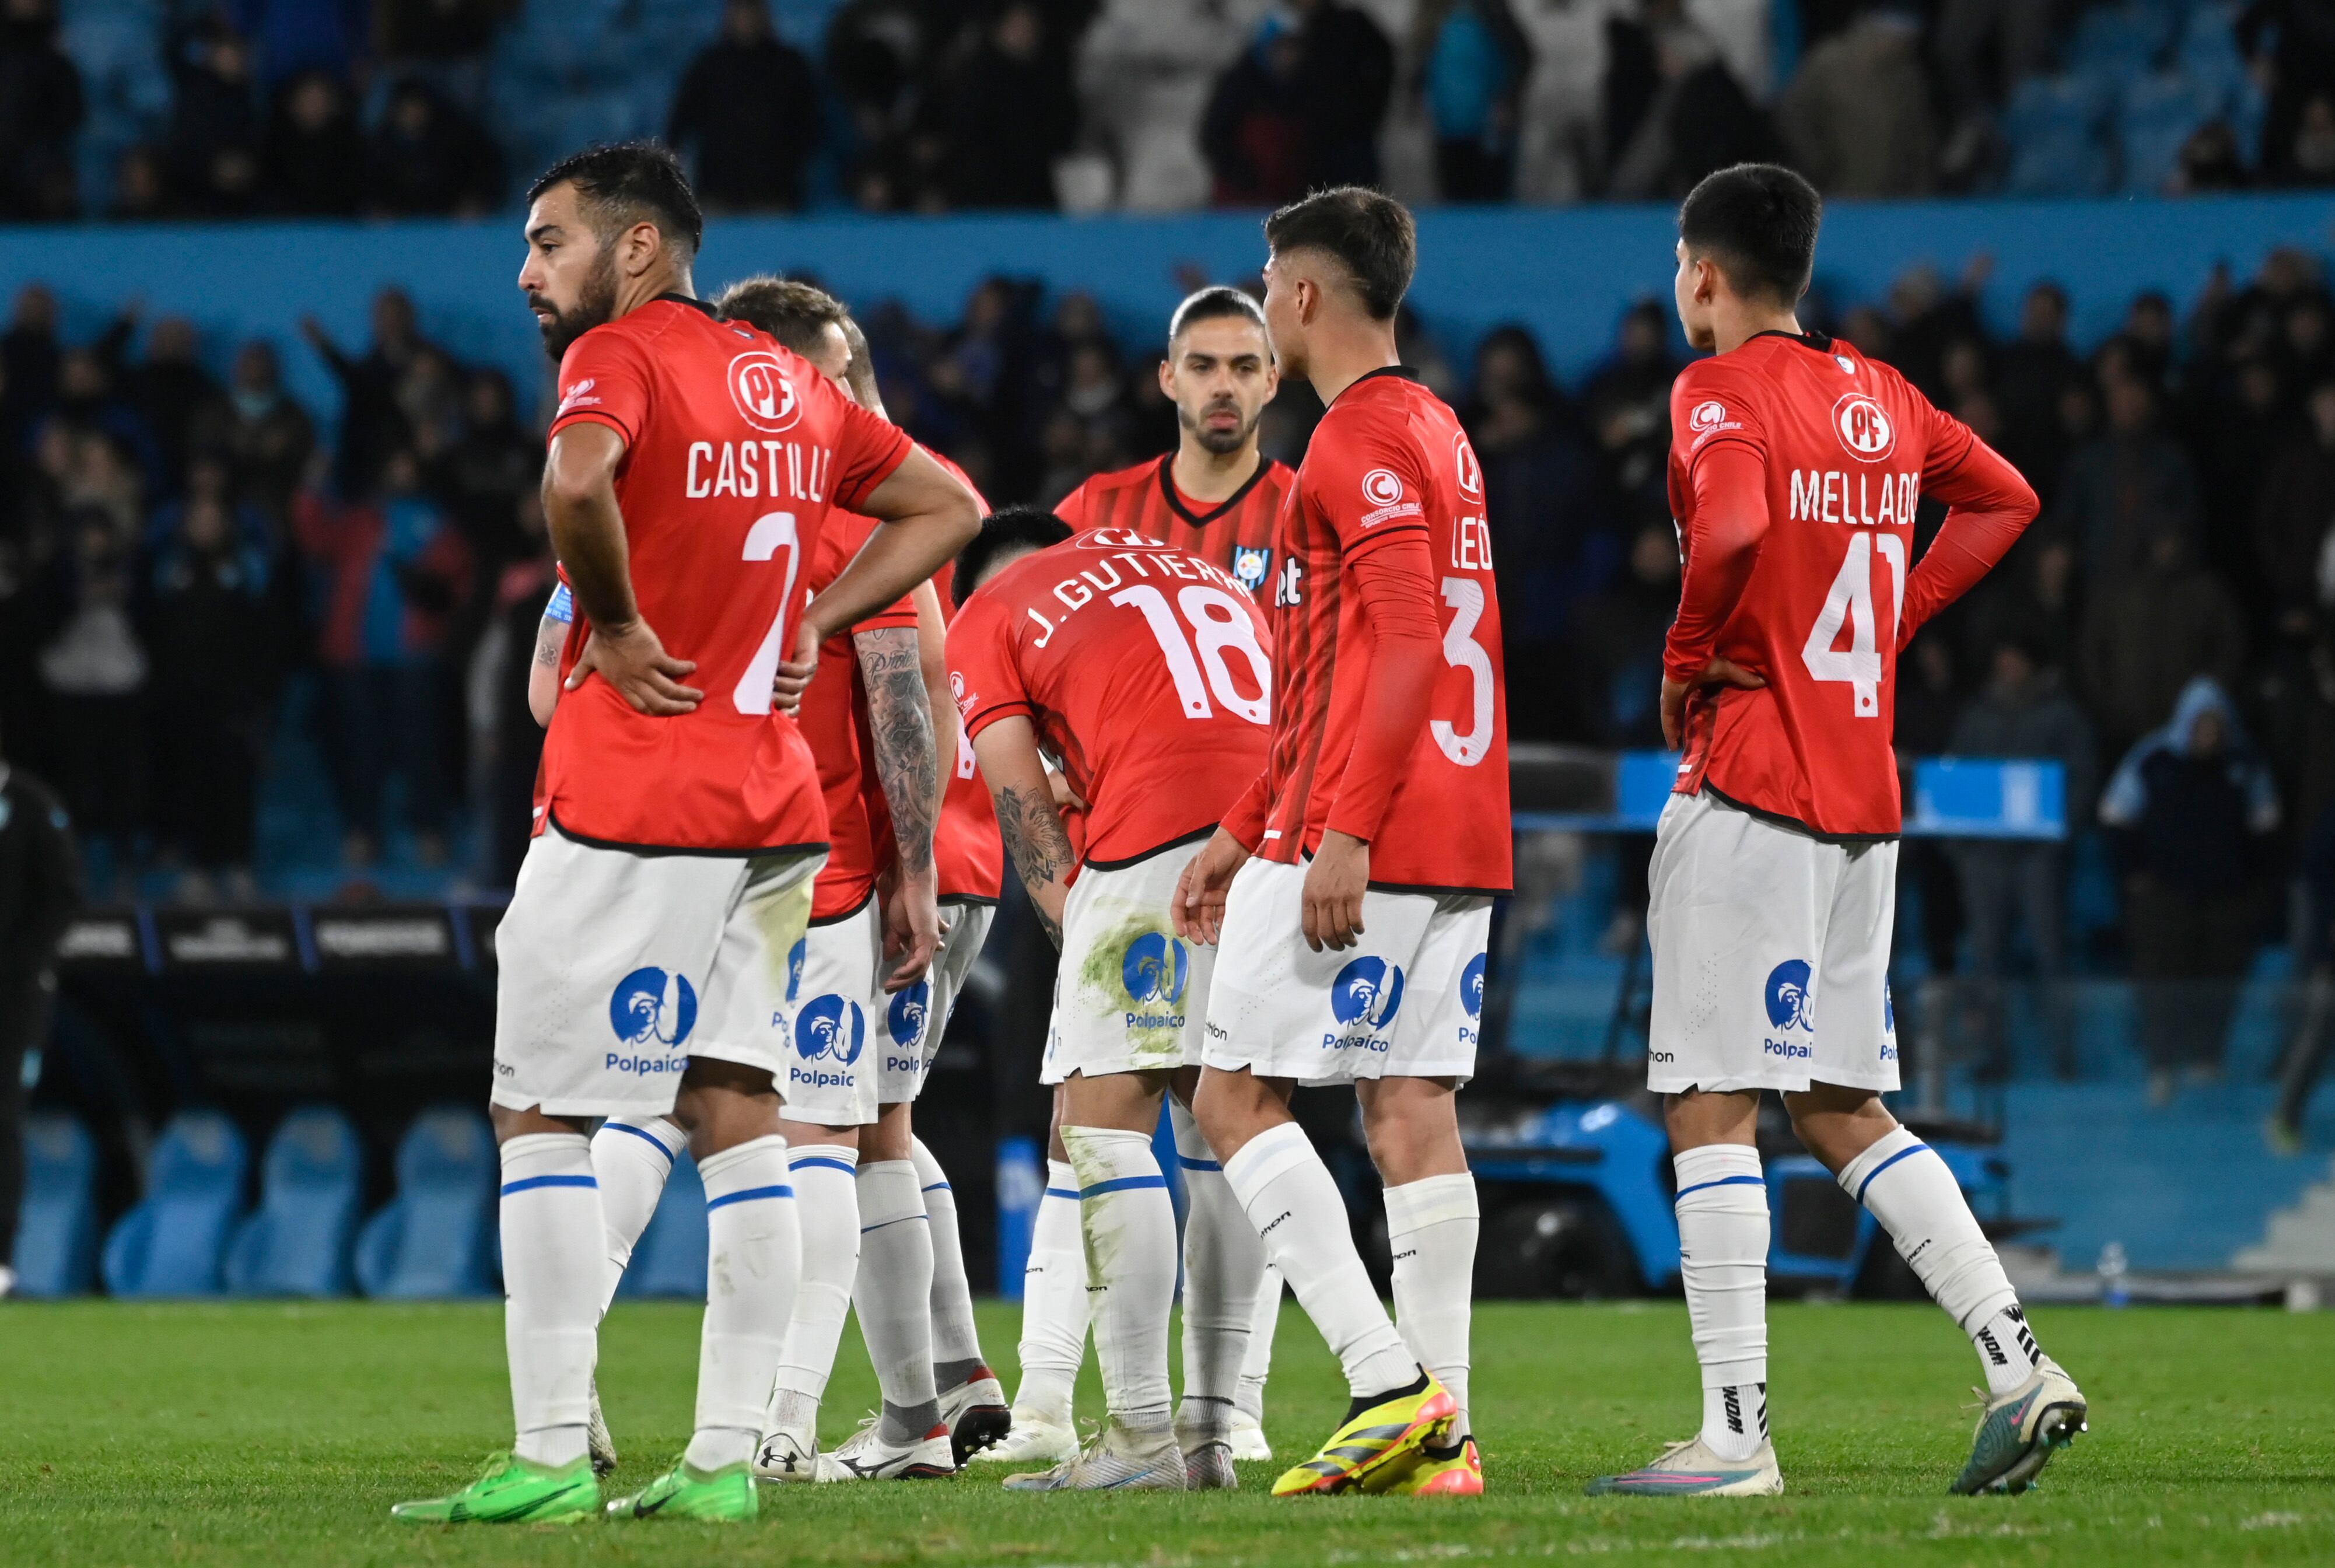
x: 1241, y: 733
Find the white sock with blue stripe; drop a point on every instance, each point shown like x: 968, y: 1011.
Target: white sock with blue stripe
x: 1128, y: 1222
x: 826, y: 1204
x: 1224, y: 1268
x: 1722, y: 1220
x: 753, y: 1255
x: 1920, y: 1205
x: 632, y: 1157
x: 957, y: 1342
x: 1431, y: 1230
x: 1054, y: 1308
x: 554, y: 1266
x: 894, y: 1296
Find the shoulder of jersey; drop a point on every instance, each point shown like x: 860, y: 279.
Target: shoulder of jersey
x: 1134, y: 474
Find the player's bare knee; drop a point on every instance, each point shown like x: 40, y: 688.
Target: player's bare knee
x: 1234, y: 1107
x: 531, y: 1122
x: 890, y: 1137
x: 1837, y: 1123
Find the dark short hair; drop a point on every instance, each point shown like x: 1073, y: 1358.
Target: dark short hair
x: 1005, y: 531
x: 1758, y: 222
x: 796, y: 313
x: 1369, y: 232
x: 1217, y: 302
x: 626, y: 182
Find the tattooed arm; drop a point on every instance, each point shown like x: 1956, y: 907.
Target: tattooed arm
x: 900, y: 719
x: 1033, y: 829
x: 542, y: 675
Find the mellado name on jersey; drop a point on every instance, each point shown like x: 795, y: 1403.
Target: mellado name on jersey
x: 1870, y: 500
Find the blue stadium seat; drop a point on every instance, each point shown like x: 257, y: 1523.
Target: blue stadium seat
x: 436, y: 1238
x: 56, y: 1226
x: 298, y: 1242
x: 174, y: 1240
x: 2113, y: 44
x: 2056, y: 126
x: 2155, y: 115
x: 669, y: 1258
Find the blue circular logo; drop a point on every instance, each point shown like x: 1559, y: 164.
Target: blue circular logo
x: 795, y: 965
x: 830, y: 1029
x: 1471, y: 986
x: 1888, y: 1011
x: 1155, y: 968
x: 1367, y: 992
x: 1789, y: 1003
x: 905, y: 1017
x: 648, y: 1004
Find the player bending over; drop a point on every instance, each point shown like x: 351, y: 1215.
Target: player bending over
x: 1349, y: 891
x: 643, y: 954
x: 1796, y: 467
x: 1215, y: 495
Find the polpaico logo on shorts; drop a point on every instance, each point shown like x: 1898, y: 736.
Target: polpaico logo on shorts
x: 795, y: 956
x: 1363, y: 998
x: 649, y: 1005
x: 1471, y: 997
x: 1790, y: 1009
x: 1156, y: 969
x: 905, y: 1017
x: 831, y: 1028
x: 1888, y: 1024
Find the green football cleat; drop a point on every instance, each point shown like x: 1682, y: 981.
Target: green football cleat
x: 511, y: 1490
x: 2021, y: 1431
x: 723, y: 1496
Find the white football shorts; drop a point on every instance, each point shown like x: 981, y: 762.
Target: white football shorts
x: 1131, y: 995
x: 1405, y: 1002
x: 614, y: 966
x: 842, y: 1021
x: 917, y: 1018
x: 1758, y: 930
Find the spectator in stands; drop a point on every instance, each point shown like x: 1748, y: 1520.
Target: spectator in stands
x: 312, y: 156
x: 372, y: 423
x: 748, y: 109
x: 2147, y: 633
x: 2126, y: 487
x: 1254, y: 129
x: 171, y: 389
x: 2029, y: 600
x: 207, y: 592
x: 214, y: 127
x: 265, y: 437
x: 1620, y: 633
x: 2031, y: 374
x: 2295, y: 522
x: 1695, y: 115
x: 427, y: 156
x: 296, y: 37
x: 1628, y: 401
x: 142, y: 187
x: 41, y: 107
x: 2192, y: 809
x: 1474, y: 60
x: 1560, y: 155
x: 509, y: 741
x: 93, y: 670
x: 2211, y: 159
x: 2023, y: 712
x: 2313, y: 162
x: 1857, y: 117
x: 1002, y: 113
x: 442, y: 41
x: 1929, y: 705
x: 40, y: 890
x: 1145, y: 71
x: 1345, y: 79
x: 481, y: 477
x: 2294, y: 44
x: 88, y: 400
x: 1985, y: 49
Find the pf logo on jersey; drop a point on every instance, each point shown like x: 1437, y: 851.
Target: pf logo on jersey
x: 764, y: 396
x: 1250, y: 567
x: 648, y: 1004
x: 1863, y: 427
x: 1155, y: 968
x: 1471, y: 472
x: 1367, y: 992
x: 831, y: 1028
x: 1788, y: 1005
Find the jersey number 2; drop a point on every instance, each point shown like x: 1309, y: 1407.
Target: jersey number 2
x: 1218, y: 622
x: 1850, y: 603
x: 772, y: 532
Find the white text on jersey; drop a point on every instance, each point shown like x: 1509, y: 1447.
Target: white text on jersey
x: 786, y: 470
x: 1832, y: 497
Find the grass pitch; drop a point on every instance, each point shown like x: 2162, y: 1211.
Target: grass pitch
x: 259, y: 1433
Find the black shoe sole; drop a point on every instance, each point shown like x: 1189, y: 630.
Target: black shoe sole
x: 982, y: 1426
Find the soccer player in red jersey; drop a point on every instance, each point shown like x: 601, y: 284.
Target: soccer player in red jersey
x: 1796, y: 468
x: 642, y: 961
x: 1350, y: 891
x: 1217, y: 495
x: 1142, y: 670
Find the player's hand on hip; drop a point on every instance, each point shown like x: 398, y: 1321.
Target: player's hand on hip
x: 1065, y: 797
x: 912, y: 931
x: 1717, y: 672
x: 631, y: 659
x: 1198, y: 907
x: 1334, y: 884
x: 793, y: 676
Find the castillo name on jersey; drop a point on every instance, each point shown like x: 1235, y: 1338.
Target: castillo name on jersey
x: 1235, y: 533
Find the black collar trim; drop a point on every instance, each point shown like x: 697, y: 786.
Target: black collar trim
x: 1174, y: 498
x: 1400, y: 372
x: 698, y: 305
x: 1820, y: 342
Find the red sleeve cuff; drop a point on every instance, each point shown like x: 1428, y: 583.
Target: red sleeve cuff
x: 981, y: 719
x: 851, y: 494
x: 593, y: 416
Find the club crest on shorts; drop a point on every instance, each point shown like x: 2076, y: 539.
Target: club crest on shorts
x: 1250, y: 568
x: 1155, y: 968
x: 1471, y: 986
x: 1788, y: 1004
x: 795, y: 956
x: 648, y: 1004
x: 1367, y: 992
x: 905, y: 1017
x: 831, y: 1028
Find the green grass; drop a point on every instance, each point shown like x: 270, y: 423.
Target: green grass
x: 280, y: 1434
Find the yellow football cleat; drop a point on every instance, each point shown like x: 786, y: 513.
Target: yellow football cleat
x: 1380, y: 1441
x: 1442, y: 1473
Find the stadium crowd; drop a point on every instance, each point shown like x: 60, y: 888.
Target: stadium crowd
x: 142, y: 109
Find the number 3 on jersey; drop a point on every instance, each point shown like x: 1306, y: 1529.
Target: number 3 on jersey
x: 1850, y: 603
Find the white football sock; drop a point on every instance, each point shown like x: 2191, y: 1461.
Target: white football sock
x: 555, y: 1266
x: 753, y: 1255
x: 1224, y: 1265
x: 632, y: 1157
x: 1128, y: 1223
x: 1257, y: 1364
x: 956, y: 1340
x: 1054, y: 1310
x: 1918, y: 1201
x: 894, y: 1296
x: 1293, y: 1202
x: 827, y: 1202
x: 1722, y: 1219
x: 1431, y: 1225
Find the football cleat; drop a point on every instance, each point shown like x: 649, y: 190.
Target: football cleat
x: 1114, y: 1459
x: 1248, y: 1438
x: 1033, y: 1439
x: 1444, y: 1472
x: 723, y: 1496
x: 787, y: 1457
x: 597, y: 1440
x: 1208, y: 1468
x: 975, y: 1414
x: 865, y: 1455
x: 511, y: 1490
x: 2019, y: 1433
x: 1384, y: 1440
x: 1690, y: 1469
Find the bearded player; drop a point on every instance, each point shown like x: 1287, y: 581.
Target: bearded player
x: 1215, y: 495
x: 1349, y: 893
x: 1796, y: 468
x: 642, y: 959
